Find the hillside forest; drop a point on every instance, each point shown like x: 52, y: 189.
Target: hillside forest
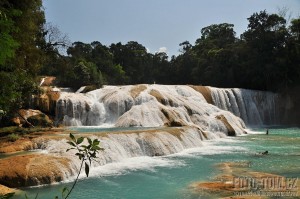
x: 266, y: 56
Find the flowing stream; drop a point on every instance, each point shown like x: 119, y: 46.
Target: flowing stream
x: 179, y: 135
x: 170, y: 176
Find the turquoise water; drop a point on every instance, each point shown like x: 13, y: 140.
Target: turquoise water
x: 169, y: 177
x: 96, y: 129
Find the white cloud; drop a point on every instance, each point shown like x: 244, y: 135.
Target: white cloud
x: 162, y: 50
x: 148, y: 50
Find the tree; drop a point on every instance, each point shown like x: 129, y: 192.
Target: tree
x: 292, y: 72
x: 29, y: 23
x: 8, y: 44
x: 55, y: 41
x: 20, y: 55
x: 295, y: 29
x: 134, y: 59
x: 219, y: 35
x: 266, y: 38
x: 214, y: 57
x: 80, y: 50
x: 184, y: 64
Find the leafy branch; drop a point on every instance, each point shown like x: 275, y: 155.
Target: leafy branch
x: 85, y: 153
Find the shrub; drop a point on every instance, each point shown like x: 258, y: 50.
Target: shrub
x: 13, y: 137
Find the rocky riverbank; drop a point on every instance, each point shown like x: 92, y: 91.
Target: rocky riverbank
x: 237, y: 180
x: 21, y: 166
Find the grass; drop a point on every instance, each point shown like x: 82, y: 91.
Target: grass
x: 19, y: 131
x: 13, y: 137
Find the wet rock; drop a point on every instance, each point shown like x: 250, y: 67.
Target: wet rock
x: 5, y: 190
x: 31, y: 170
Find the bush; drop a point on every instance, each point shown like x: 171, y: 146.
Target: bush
x: 13, y: 137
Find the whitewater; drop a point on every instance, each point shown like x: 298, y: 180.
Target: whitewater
x: 181, y: 118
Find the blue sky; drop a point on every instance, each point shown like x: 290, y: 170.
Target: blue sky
x: 156, y: 24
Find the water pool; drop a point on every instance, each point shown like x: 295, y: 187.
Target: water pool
x: 170, y: 176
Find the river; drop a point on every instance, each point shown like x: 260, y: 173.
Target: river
x: 170, y: 177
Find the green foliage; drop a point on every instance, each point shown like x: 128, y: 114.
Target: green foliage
x: 20, y: 130
x: 265, y: 57
x: 15, y: 88
x: 20, y: 56
x: 41, y: 120
x: 13, y: 137
x: 86, y: 153
x: 7, y: 43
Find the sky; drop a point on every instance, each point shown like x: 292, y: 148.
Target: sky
x: 159, y: 25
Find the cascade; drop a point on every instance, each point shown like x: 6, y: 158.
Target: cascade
x: 120, y: 146
x: 184, y: 116
x: 191, y: 117
x: 146, y: 106
x: 184, y: 110
x: 254, y: 107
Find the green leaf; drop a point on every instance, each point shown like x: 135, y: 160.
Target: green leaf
x: 89, y: 140
x: 72, y: 137
x: 69, y: 149
x: 87, y: 169
x: 80, y: 140
x: 64, y: 192
x: 80, y: 156
x: 71, y: 143
x: 96, y: 142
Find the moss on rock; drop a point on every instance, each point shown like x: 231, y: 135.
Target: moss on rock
x: 40, y: 120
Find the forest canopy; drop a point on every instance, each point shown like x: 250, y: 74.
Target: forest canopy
x: 266, y: 56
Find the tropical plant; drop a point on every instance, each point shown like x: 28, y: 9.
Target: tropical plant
x: 85, y: 153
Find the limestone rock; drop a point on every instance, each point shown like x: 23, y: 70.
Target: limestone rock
x: 40, y: 120
x: 31, y: 170
x: 21, y: 144
x: 5, y: 190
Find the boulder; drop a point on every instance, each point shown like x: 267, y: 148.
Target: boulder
x: 40, y: 120
x: 18, y: 120
x: 6, y: 190
x: 46, y: 102
x: 230, y: 129
x: 32, y: 170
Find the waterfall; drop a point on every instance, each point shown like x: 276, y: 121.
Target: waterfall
x: 254, y: 107
x: 146, y: 106
x: 184, y: 117
x: 121, y: 146
x: 42, y: 81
